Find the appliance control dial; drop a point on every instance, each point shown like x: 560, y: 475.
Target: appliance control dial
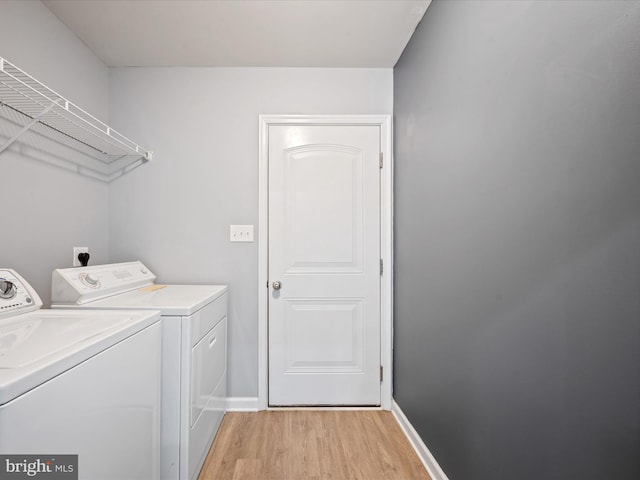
x: 90, y: 280
x: 16, y: 297
x: 7, y: 289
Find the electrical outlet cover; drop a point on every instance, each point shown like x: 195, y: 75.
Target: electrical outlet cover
x: 76, y: 252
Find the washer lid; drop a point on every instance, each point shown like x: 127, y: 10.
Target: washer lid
x: 179, y: 300
x: 28, y: 339
x: 37, y: 346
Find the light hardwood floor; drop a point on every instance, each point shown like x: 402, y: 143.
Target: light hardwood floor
x: 311, y: 445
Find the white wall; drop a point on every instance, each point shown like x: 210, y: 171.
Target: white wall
x: 202, y: 124
x: 46, y: 210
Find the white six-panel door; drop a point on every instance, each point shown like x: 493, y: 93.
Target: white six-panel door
x: 324, y: 250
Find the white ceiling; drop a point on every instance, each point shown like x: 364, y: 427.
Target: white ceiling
x: 243, y: 33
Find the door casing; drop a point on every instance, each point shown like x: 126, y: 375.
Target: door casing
x: 386, y: 242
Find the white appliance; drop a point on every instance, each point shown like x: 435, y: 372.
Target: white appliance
x: 79, y: 382
x: 194, y: 350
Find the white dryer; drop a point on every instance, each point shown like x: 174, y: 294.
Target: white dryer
x: 79, y: 383
x: 194, y: 343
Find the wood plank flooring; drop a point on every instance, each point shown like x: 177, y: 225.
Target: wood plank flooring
x: 311, y: 445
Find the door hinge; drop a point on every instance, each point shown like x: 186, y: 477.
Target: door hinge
x: 381, y: 159
x: 381, y: 266
x: 381, y: 373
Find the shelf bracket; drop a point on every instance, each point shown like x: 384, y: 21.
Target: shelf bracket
x: 33, y: 121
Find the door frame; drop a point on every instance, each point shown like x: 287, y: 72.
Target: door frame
x: 386, y: 243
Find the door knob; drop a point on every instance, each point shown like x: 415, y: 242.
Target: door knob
x: 276, y: 285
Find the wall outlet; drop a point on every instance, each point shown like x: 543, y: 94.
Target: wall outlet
x: 76, y: 251
x: 241, y: 233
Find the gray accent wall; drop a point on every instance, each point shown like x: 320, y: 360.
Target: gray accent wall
x: 517, y: 238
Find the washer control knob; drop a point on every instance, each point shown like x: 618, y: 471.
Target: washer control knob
x: 7, y: 289
x: 144, y: 271
x: 91, y: 280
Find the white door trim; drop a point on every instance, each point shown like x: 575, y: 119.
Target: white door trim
x: 386, y: 243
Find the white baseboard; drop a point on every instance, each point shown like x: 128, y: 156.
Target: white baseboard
x: 242, y: 404
x: 427, y: 459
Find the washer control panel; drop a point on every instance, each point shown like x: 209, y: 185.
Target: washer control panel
x: 79, y: 285
x: 16, y: 295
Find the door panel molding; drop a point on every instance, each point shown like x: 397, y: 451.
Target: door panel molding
x: 348, y: 359
x: 351, y: 167
x: 386, y: 211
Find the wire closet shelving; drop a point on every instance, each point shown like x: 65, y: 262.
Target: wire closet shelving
x: 32, y: 106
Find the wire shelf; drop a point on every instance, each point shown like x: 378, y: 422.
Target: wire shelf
x: 33, y: 106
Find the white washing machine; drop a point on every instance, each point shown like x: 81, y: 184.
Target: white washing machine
x: 79, y: 383
x: 194, y: 350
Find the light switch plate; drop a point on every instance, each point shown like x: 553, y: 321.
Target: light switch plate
x: 241, y: 233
